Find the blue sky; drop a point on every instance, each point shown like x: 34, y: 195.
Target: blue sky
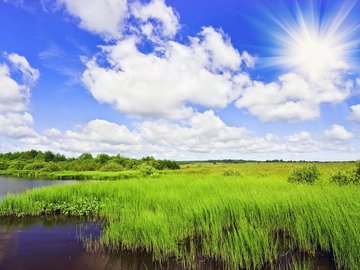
x: 181, y: 79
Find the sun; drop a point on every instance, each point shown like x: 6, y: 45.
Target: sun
x: 315, y: 55
x: 313, y: 42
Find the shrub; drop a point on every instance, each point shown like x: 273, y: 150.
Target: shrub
x: 347, y: 177
x: 35, y: 166
x: 3, y: 165
x: 16, y: 165
x: 112, y: 167
x: 83, y: 165
x: 232, y: 172
x: 147, y: 170
x: 357, y: 172
x: 51, y: 167
x: 343, y: 177
x: 307, y: 174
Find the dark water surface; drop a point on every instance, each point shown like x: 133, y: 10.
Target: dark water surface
x: 58, y: 243
x: 54, y: 243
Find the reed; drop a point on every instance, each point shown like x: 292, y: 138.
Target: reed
x: 244, y: 221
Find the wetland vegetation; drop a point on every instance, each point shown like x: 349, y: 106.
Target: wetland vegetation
x: 242, y: 215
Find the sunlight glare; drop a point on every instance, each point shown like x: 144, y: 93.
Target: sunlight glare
x: 314, y: 43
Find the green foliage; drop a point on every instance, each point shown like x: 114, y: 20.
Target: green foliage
x: 84, y: 165
x: 16, y: 165
x: 52, y: 162
x: 51, y: 167
x: 231, y: 172
x: 112, y: 167
x: 34, y: 166
x: 102, y: 158
x: 49, y: 156
x: 345, y: 177
x: 342, y: 177
x: 306, y: 174
x: 85, y: 156
x: 4, y: 165
x: 147, y: 170
x: 357, y: 171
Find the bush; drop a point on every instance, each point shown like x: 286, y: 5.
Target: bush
x: 147, y: 170
x: 3, y: 165
x: 347, y: 177
x: 83, y: 165
x: 112, y: 167
x: 35, y: 166
x: 231, y: 172
x: 343, y: 177
x: 357, y: 172
x: 51, y: 167
x: 307, y: 174
x: 16, y: 165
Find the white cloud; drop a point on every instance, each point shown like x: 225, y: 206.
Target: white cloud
x: 355, y: 114
x: 202, y: 135
x: 95, y: 136
x: 15, y: 121
x: 162, y: 85
x: 30, y: 75
x: 337, y: 132
x: 104, y: 17
x: 293, y: 97
x: 16, y: 125
x: 156, y: 10
x: 13, y: 96
x: 299, y: 137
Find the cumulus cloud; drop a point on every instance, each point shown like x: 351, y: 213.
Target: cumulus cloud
x: 162, y: 85
x: 355, y: 114
x: 203, y: 136
x: 13, y: 96
x: 292, y: 97
x: 166, y: 20
x: 95, y: 136
x: 15, y: 121
x: 338, y: 132
x: 104, y: 17
x: 174, y: 77
x: 198, y: 137
x: 16, y: 125
x: 112, y: 19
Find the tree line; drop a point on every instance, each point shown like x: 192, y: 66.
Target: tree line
x: 49, y: 161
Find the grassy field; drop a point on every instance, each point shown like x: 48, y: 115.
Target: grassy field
x: 247, y: 220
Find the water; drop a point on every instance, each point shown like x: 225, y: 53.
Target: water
x: 55, y: 243
x: 17, y: 185
x: 58, y: 243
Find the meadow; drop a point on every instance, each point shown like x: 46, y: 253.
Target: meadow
x: 244, y: 215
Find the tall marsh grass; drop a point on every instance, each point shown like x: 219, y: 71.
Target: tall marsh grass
x: 244, y: 222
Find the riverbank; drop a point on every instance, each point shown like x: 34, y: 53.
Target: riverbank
x: 245, y: 220
x: 72, y: 175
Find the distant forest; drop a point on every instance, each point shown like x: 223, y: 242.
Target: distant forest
x: 51, y: 162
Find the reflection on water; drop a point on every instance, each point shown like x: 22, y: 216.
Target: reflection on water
x: 16, y: 185
x: 54, y: 243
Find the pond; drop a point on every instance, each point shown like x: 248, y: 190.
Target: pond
x: 58, y: 242
x: 16, y: 185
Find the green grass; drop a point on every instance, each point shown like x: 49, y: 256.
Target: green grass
x: 245, y: 221
x: 72, y: 175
